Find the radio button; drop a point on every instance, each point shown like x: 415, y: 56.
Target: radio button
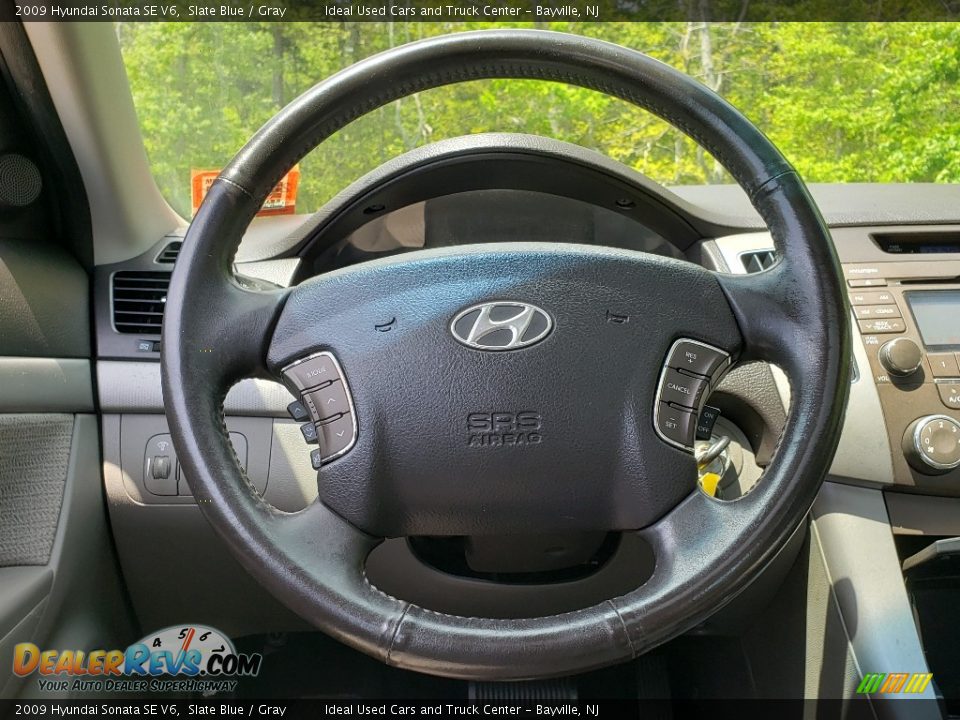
x: 949, y: 394
x: 336, y: 437
x: 328, y: 401
x: 681, y: 389
x: 872, y: 297
x: 866, y: 312
x: 311, y: 372
x: 944, y: 365
x: 870, y: 282
x: 885, y: 325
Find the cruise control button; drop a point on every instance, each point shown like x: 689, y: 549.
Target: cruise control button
x: 676, y: 424
x: 696, y: 358
x: 681, y: 389
x: 327, y: 401
x: 891, y: 325
x: 867, y: 312
x: 949, y: 394
x: 298, y: 411
x: 872, y: 297
x: 312, y: 372
x: 708, y: 418
x: 944, y: 365
x: 309, y: 431
x: 336, y: 436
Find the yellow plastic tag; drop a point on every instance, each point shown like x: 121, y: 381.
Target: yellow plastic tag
x: 709, y: 482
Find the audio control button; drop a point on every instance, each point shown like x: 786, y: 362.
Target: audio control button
x: 336, y: 436
x: 944, y: 365
x: 872, y: 297
x: 311, y: 372
x: 884, y: 325
x: 866, y: 312
x: 328, y: 401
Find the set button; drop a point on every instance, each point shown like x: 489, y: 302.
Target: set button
x: 689, y: 371
x: 325, y: 404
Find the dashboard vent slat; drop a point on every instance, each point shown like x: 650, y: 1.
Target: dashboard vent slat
x: 169, y: 254
x: 138, y: 301
x: 758, y: 260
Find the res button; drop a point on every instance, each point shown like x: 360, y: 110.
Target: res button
x: 696, y: 358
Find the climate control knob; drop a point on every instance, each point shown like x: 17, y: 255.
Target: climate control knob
x: 932, y: 444
x: 901, y: 357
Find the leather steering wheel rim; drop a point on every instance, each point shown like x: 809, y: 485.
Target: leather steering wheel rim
x: 794, y: 314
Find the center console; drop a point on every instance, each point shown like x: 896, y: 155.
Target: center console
x: 907, y: 310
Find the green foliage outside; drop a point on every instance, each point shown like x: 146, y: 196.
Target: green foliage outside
x: 857, y: 102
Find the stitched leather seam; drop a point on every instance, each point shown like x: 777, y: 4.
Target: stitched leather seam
x: 623, y: 624
x: 396, y: 630
x: 238, y: 186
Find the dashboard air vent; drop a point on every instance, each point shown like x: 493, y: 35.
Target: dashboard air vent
x: 138, y: 301
x: 757, y: 260
x: 170, y: 252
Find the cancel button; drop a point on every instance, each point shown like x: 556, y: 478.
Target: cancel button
x: 682, y: 389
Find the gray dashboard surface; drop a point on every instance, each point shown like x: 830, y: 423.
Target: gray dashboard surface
x: 840, y: 203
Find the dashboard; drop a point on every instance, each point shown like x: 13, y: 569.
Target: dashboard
x: 902, y: 430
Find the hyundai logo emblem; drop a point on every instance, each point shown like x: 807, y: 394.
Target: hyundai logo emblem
x: 504, y: 325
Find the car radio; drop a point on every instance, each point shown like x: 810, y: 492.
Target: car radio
x: 908, y: 313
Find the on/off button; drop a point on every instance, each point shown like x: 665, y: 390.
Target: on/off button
x: 681, y: 389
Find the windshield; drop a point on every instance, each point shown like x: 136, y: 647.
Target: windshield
x: 845, y: 102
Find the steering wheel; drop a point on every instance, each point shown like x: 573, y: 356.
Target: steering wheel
x: 505, y: 341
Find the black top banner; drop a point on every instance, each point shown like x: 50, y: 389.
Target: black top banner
x: 533, y: 11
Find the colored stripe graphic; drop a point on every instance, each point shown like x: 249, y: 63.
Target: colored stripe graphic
x: 891, y: 683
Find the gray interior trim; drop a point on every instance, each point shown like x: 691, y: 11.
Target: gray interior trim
x: 864, y: 451
x: 840, y: 203
x: 279, y: 272
x: 923, y: 514
x: 21, y: 589
x: 84, y: 71
x: 853, y: 530
x: 134, y: 387
x: 45, y: 385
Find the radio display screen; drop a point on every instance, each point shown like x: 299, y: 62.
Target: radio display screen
x: 937, y: 313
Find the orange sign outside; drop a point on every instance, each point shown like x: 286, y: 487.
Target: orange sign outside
x: 282, y: 200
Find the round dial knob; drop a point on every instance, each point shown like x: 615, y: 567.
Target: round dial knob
x: 932, y: 444
x: 901, y: 357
